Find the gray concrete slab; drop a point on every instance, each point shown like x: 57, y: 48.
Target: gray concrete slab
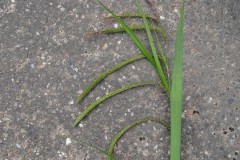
x: 46, y: 61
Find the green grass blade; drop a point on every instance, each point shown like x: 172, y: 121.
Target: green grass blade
x: 125, y: 129
x: 105, y: 74
x: 131, y: 34
x: 111, y: 94
x: 176, y: 92
x: 133, y: 15
x: 163, y: 57
x: 154, y: 51
x: 121, y: 29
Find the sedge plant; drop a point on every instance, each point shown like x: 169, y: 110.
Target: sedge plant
x: 172, y: 85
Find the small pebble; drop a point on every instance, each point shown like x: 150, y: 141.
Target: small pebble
x: 105, y: 46
x: 32, y: 66
x: 18, y: 146
x: 71, y: 102
x: 188, y: 97
x: 68, y: 141
x: 115, y: 25
x: 75, y: 69
x: 162, y: 18
x: 210, y: 100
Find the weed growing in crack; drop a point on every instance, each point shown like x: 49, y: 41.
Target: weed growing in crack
x: 172, y: 85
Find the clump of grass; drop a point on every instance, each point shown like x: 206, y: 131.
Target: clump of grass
x: 141, y: 47
x: 172, y: 85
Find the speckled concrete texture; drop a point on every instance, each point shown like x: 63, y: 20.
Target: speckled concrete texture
x: 46, y: 62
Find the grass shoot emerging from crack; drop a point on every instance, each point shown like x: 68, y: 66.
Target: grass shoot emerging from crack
x: 172, y: 85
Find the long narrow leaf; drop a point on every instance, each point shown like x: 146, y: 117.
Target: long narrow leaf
x: 163, y: 58
x: 125, y: 129
x: 154, y: 51
x: 105, y: 74
x: 133, y: 15
x: 121, y: 29
x: 176, y: 92
x: 132, y: 35
x: 113, y: 93
x: 93, y: 84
